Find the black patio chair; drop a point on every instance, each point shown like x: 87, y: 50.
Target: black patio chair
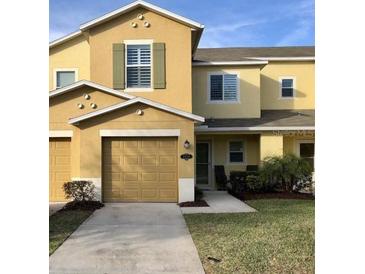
x: 252, y: 168
x: 220, y: 177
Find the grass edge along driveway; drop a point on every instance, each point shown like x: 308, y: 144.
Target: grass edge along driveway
x: 279, y: 238
x: 62, y: 224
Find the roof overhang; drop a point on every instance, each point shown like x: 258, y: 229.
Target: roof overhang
x: 86, y: 83
x: 195, y: 26
x: 304, y: 58
x: 145, y: 5
x: 235, y: 129
x: 65, y: 38
x: 132, y: 102
x: 230, y: 63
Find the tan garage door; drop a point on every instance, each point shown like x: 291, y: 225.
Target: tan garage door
x: 59, y: 167
x: 140, y: 169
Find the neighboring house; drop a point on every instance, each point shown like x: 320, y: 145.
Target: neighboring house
x: 136, y: 108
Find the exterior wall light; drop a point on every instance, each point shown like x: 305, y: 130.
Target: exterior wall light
x: 186, y: 144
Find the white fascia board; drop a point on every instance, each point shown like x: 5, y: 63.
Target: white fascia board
x: 139, y: 132
x: 78, y: 84
x: 144, y: 4
x: 64, y: 38
x: 224, y: 129
x: 230, y: 63
x: 306, y: 58
x: 102, y: 111
x: 133, y: 101
x: 60, y: 133
x: 172, y: 110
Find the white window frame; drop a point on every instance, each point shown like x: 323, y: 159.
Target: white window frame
x: 281, y: 78
x: 75, y: 70
x: 229, y: 152
x: 137, y: 42
x: 238, y: 99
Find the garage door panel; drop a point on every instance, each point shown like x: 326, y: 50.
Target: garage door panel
x: 130, y: 176
x: 167, y: 160
x: 148, y: 169
x: 130, y: 194
x: 130, y: 160
x: 167, y: 176
x: 59, y: 167
x: 150, y: 176
x: 147, y: 160
x: 167, y: 194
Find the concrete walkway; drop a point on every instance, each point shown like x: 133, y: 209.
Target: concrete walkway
x: 219, y: 202
x: 129, y: 238
x: 55, y: 206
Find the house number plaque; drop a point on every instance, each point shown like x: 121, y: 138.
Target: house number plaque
x: 186, y: 156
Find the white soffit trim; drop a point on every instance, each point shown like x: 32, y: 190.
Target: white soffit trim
x: 64, y: 38
x: 139, y: 132
x: 60, y: 133
x: 146, y: 5
x: 81, y: 83
x: 222, y: 129
x: 258, y: 62
x: 133, y: 101
x: 304, y: 58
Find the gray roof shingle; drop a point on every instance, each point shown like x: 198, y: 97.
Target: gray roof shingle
x: 269, y: 118
x: 244, y: 53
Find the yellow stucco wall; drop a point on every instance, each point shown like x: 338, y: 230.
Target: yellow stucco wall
x: 72, y: 54
x: 304, y: 90
x: 64, y: 106
x: 219, y: 147
x: 249, y: 95
x: 271, y: 145
x: 291, y: 142
x: 90, y: 145
x: 177, y: 39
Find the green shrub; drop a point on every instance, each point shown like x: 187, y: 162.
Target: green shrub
x: 254, y: 184
x: 79, y: 190
x: 288, y: 172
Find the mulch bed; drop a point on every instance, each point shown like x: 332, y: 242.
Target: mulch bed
x: 278, y: 195
x: 85, y: 205
x: 200, y: 203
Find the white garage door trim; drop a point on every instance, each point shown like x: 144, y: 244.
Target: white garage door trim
x: 139, y: 132
x: 60, y: 133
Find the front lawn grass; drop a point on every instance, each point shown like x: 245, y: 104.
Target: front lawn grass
x: 62, y: 224
x: 279, y: 238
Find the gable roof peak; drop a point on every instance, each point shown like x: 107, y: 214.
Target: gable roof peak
x: 144, y: 4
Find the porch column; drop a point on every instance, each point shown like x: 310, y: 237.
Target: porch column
x: 271, y: 145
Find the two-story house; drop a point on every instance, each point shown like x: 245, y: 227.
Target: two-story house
x: 137, y: 108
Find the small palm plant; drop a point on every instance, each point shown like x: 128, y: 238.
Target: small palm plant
x: 288, y: 172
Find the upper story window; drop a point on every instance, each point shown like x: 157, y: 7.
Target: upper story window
x: 65, y: 77
x: 236, y: 152
x: 138, y: 68
x: 287, y: 87
x: 223, y: 88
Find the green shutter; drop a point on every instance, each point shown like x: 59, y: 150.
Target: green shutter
x: 118, y: 66
x: 159, y: 75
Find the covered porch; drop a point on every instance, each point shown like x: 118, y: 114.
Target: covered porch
x: 239, y: 147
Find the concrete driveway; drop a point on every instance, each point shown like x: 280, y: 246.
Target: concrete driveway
x: 129, y: 238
